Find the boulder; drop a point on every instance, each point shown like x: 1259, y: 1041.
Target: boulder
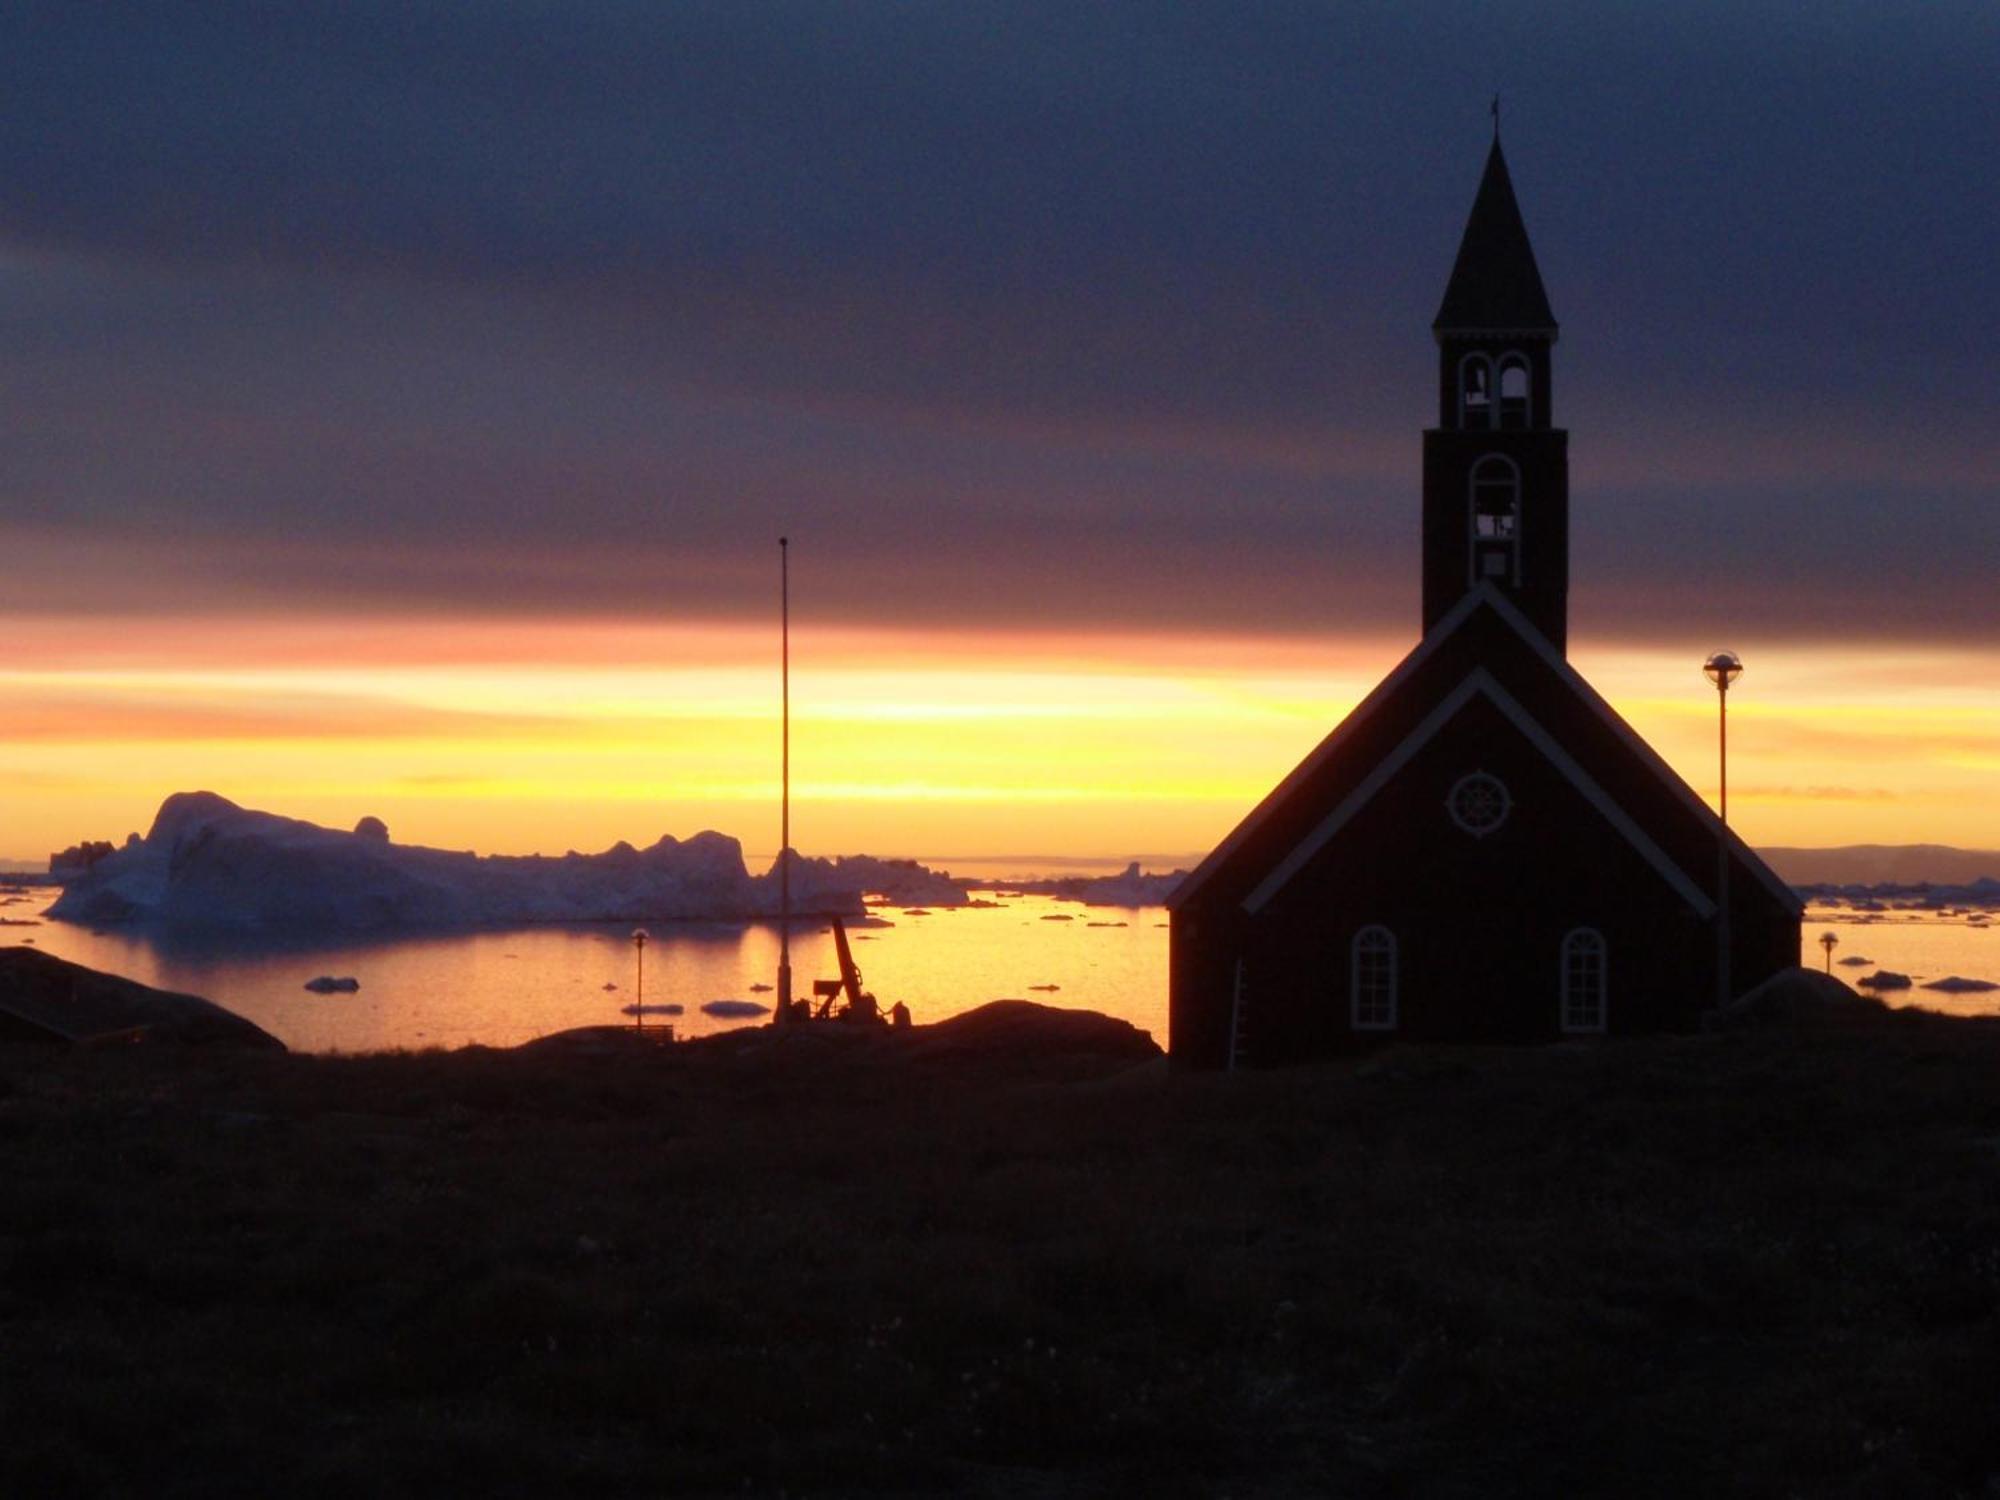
x: 45, y: 998
x: 1792, y: 996
x: 1025, y: 1030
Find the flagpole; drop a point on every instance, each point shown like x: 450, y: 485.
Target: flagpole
x: 783, y: 1015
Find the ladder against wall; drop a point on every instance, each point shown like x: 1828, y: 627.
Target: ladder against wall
x: 1239, y: 1021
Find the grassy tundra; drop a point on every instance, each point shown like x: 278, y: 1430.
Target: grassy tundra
x: 1007, y: 1263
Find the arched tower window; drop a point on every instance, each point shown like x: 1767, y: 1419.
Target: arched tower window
x: 1475, y: 391
x: 1372, y: 994
x: 1514, y: 379
x: 1495, y: 520
x: 1583, y: 984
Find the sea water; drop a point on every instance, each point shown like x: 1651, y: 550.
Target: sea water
x: 502, y: 986
x: 499, y: 987
x: 1924, y: 945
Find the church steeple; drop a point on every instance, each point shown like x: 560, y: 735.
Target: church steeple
x: 1496, y: 468
x: 1495, y: 284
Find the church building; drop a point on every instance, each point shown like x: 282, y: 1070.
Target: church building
x: 1483, y: 850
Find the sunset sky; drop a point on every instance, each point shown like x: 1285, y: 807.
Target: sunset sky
x: 402, y: 403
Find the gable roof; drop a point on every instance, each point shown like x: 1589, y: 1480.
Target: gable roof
x: 1481, y: 601
x: 1495, y: 283
x: 1307, y: 769
x: 1479, y: 683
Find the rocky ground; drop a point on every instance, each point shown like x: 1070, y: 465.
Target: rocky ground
x: 1018, y: 1258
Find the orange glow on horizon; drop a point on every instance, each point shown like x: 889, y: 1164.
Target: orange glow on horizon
x: 508, y: 737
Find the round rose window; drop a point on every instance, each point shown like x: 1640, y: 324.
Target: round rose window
x: 1479, y: 803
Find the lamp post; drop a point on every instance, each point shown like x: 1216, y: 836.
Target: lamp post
x: 1723, y: 668
x: 639, y: 936
x: 1829, y: 942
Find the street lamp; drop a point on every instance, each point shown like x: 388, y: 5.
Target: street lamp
x: 1829, y: 942
x: 1722, y: 668
x: 639, y: 936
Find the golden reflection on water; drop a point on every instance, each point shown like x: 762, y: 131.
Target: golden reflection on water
x: 1923, y: 945
x: 501, y: 987
x: 505, y: 986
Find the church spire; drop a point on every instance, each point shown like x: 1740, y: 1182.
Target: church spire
x: 1495, y: 285
x: 1496, y: 467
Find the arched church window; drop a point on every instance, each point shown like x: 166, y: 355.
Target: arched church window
x: 1372, y: 994
x: 1475, y: 391
x: 1583, y: 981
x: 1514, y: 389
x: 1496, y: 520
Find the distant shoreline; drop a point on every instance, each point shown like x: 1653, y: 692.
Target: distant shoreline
x: 1840, y: 864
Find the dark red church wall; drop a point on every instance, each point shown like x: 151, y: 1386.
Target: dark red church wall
x: 1202, y: 953
x: 1479, y: 920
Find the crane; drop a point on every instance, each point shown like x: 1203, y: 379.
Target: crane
x: 861, y: 1007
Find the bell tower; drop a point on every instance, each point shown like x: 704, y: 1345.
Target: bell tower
x: 1496, y: 468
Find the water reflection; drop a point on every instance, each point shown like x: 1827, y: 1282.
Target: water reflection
x: 1923, y: 945
x: 503, y: 986
x: 500, y: 987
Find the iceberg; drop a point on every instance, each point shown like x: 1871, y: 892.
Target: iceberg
x: 899, y: 882
x: 1130, y: 887
x: 208, y: 863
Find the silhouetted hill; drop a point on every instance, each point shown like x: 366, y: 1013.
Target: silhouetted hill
x: 835, y: 1262
x: 46, y: 998
x: 1878, y: 864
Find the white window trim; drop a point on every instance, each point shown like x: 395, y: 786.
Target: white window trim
x: 1480, y: 596
x: 1459, y: 786
x: 1354, y: 952
x: 1513, y: 359
x: 1572, y: 939
x: 1492, y: 413
x: 1479, y: 683
x: 1473, y: 576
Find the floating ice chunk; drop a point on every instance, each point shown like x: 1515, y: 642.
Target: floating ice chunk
x: 1884, y: 979
x: 732, y: 1008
